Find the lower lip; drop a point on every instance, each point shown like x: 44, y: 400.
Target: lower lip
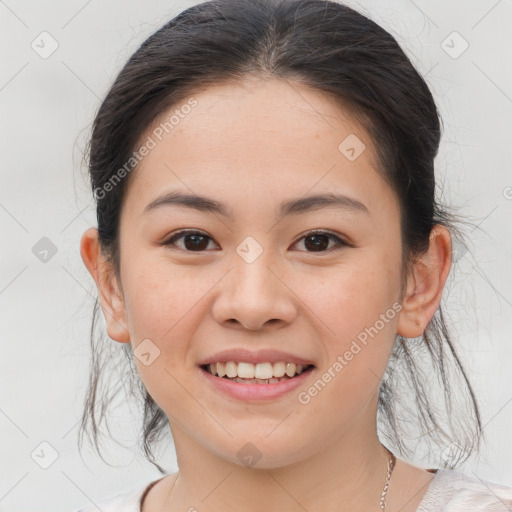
x: 256, y: 391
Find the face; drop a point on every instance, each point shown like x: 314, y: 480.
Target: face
x: 308, y: 279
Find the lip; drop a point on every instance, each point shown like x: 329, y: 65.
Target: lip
x: 256, y: 392
x: 259, y: 356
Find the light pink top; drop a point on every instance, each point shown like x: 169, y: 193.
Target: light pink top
x: 449, y: 491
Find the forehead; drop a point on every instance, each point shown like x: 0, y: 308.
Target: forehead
x: 257, y: 138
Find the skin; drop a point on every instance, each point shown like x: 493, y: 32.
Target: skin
x: 252, y: 145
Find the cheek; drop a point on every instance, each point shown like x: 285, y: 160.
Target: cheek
x: 358, y: 321
x: 158, y: 295
x: 351, y: 297
x: 166, y: 303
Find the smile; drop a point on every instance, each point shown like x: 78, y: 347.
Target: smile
x: 260, y: 373
x: 253, y: 388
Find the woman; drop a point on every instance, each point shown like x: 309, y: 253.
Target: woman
x: 269, y: 249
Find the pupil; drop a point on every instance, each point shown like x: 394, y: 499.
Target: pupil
x: 321, y: 242
x: 196, y: 244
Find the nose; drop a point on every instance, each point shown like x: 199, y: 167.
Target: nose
x: 254, y: 296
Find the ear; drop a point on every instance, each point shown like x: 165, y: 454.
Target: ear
x: 111, y: 297
x: 425, y: 284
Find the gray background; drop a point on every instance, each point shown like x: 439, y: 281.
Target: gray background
x: 47, y: 105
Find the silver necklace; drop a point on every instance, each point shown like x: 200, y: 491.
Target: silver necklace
x: 391, y: 466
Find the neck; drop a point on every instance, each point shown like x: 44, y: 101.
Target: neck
x: 347, y: 474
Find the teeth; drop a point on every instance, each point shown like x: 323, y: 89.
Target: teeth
x: 245, y: 370
x: 221, y: 369
x: 258, y: 381
x: 231, y: 370
x: 290, y: 369
x: 263, y: 372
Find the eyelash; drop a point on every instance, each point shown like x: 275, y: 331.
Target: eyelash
x: 180, y: 234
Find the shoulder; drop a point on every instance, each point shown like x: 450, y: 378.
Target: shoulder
x: 452, y: 491
x: 125, y: 502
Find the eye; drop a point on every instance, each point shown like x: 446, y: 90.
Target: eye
x: 318, y: 241
x: 197, y: 241
x: 194, y: 241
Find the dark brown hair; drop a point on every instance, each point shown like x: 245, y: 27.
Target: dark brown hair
x: 334, y: 49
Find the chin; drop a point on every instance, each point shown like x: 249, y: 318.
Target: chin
x: 264, y: 454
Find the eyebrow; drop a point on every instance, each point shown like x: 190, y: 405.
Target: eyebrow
x: 289, y: 207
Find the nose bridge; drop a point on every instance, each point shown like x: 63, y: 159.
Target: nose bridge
x: 253, y: 293
x: 252, y: 280
x: 253, y: 276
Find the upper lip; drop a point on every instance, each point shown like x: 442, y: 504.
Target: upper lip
x: 254, y: 356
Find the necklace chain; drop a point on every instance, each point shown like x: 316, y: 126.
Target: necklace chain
x: 382, y: 503
x: 391, y: 465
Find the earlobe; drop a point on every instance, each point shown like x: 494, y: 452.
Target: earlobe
x: 425, y: 284
x: 110, y: 295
